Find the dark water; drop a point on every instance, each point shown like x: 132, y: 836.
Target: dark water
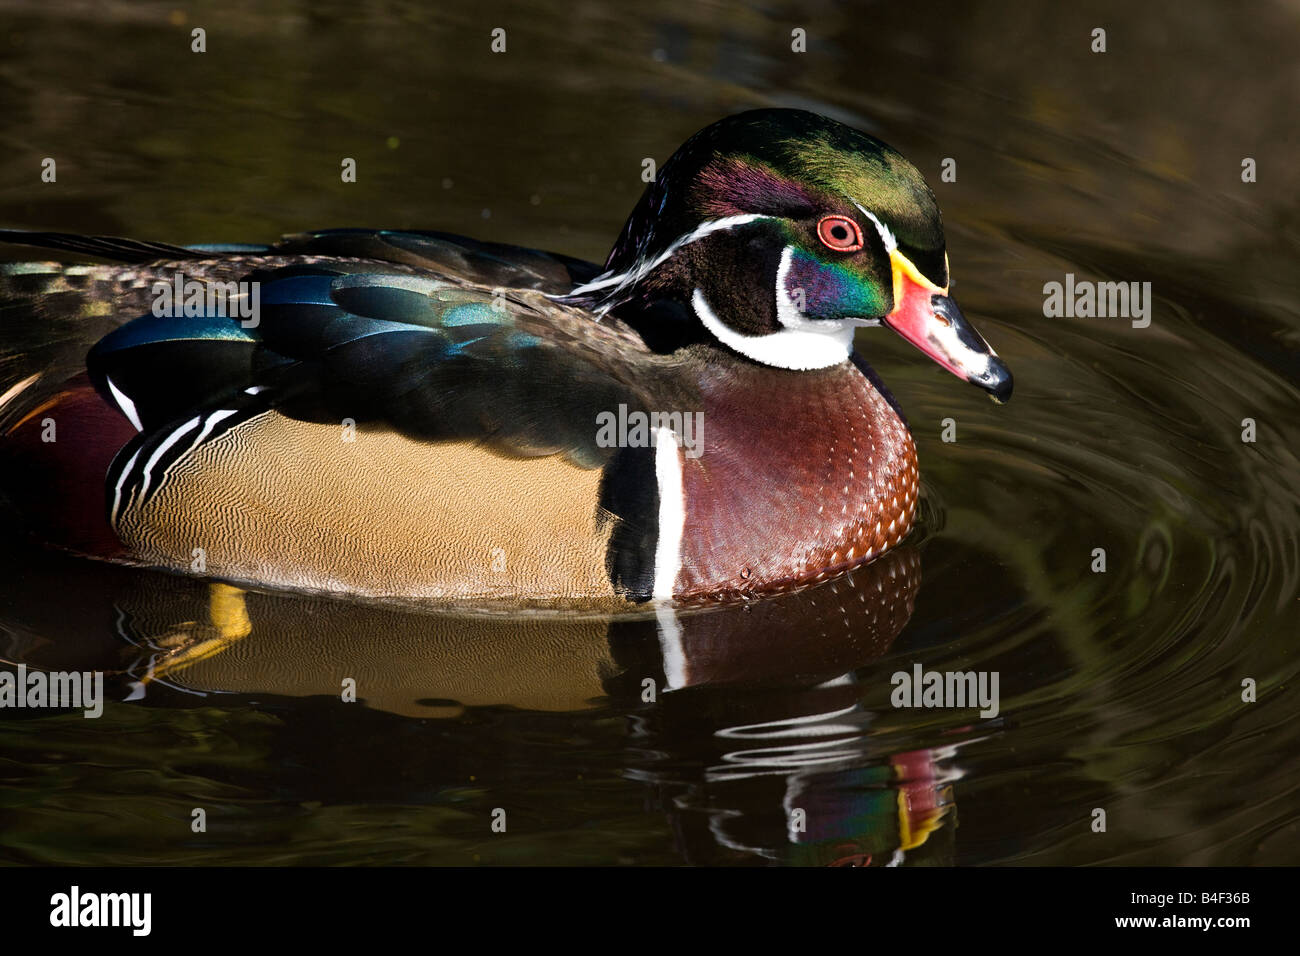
x: 1120, y: 691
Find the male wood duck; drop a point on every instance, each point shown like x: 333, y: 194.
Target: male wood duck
x: 420, y: 415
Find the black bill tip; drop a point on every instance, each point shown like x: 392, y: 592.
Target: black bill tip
x: 996, y: 380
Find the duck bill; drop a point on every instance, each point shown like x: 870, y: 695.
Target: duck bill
x: 927, y: 317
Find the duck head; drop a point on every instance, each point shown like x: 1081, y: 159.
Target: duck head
x: 781, y: 232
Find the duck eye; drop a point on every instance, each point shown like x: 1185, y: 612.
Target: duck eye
x: 839, y: 233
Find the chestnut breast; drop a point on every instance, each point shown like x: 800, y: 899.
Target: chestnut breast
x: 802, y: 475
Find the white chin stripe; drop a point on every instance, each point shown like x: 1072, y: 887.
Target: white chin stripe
x: 788, y: 314
x: 801, y: 348
x: 886, y: 235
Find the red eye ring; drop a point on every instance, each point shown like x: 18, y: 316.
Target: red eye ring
x: 839, y: 233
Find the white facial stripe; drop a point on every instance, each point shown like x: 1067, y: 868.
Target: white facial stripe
x: 672, y: 513
x: 644, y: 267
x: 801, y: 349
x: 886, y: 236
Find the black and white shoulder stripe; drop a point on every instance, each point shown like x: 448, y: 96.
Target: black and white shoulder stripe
x: 142, y: 467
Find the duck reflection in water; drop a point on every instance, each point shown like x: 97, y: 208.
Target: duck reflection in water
x: 745, y: 723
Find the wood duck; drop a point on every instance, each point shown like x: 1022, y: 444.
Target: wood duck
x: 419, y: 415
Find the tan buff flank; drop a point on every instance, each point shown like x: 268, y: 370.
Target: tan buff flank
x: 290, y: 504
